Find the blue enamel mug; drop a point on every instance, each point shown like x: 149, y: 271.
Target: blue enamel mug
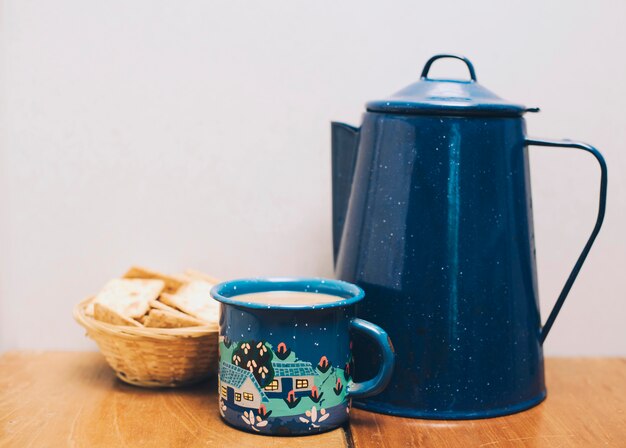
x: 286, y: 369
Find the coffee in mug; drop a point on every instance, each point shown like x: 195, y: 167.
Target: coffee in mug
x: 287, y: 298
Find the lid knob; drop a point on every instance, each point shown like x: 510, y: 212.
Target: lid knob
x: 470, y: 67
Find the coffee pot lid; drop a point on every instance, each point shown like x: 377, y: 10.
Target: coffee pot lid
x: 447, y: 97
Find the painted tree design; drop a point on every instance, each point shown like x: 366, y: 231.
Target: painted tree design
x: 291, y: 399
x: 348, y: 369
x: 338, y: 387
x: 323, y: 365
x: 316, y: 396
x: 256, y: 357
x: 282, y: 351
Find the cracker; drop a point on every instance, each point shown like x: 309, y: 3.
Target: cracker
x: 161, y: 306
x: 103, y: 313
x: 129, y: 297
x: 172, y: 283
x: 197, y: 275
x: 194, y: 299
x: 157, y: 304
x: 168, y: 319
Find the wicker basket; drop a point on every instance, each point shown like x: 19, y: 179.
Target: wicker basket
x: 154, y: 357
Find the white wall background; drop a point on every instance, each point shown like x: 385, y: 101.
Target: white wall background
x: 196, y: 134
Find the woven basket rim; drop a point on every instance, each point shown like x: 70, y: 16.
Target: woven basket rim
x: 92, y: 325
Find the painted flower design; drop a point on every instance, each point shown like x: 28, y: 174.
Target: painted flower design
x: 255, y: 422
x: 255, y: 357
x: 251, y: 365
x: 222, y: 407
x: 314, y: 418
x: 263, y: 371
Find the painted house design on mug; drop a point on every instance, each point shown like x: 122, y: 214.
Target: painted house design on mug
x: 239, y: 387
x: 272, y: 390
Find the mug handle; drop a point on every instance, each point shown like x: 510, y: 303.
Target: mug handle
x: 601, y: 209
x: 380, y: 381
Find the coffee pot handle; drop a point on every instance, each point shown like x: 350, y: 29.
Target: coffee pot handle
x: 380, y: 381
x: 470, y: 66
x: 601, y: 209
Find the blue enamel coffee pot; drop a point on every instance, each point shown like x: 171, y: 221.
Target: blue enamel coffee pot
x: 433, y: 219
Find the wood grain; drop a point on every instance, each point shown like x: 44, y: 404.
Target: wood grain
x: 586, y: 407
x: 74, y: 400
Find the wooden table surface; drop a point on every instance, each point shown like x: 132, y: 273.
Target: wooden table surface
x: 54, y: 399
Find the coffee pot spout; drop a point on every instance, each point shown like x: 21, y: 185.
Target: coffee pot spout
x: 345, y: 143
